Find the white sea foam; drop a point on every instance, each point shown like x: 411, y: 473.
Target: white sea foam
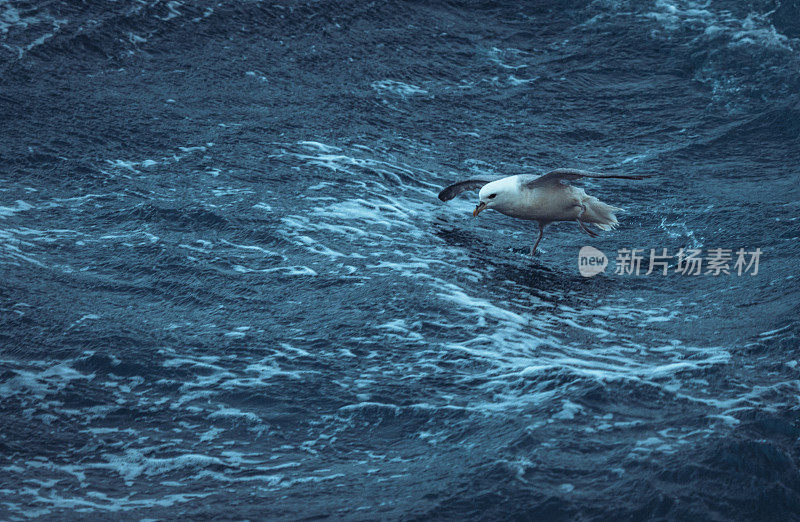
x: 401, y: 89
x: 19, y: 206
x: 317, y: 146
x: 754, y: 29
x: 133, y: 166
x: 259, y: 75
x: 498, y: 56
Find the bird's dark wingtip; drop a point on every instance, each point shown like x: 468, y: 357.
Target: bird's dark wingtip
x: 455, y: 189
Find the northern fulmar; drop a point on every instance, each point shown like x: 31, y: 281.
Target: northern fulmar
x: 543, y: 199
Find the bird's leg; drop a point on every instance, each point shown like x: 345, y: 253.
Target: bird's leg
x: 580, y: 223
x: 541, y: 233
x: 583, y: 227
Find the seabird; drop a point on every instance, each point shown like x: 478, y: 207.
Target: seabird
x: 543, y: 199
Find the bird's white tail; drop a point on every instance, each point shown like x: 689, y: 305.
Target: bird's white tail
x: 601, y: 214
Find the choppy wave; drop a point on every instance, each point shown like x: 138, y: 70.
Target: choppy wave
x: 229, y: 288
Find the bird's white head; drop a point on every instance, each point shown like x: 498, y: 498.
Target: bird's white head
x: 498, y: 195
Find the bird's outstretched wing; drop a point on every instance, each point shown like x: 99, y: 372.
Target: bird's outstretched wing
x: 560, y: 175
x: 462, y: 186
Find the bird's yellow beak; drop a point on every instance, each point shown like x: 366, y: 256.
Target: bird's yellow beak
x: 481, y: 206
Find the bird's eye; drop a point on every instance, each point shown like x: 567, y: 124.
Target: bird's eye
x: 491, y: 196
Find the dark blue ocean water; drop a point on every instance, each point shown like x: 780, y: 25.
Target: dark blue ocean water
x: 227, y: 287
